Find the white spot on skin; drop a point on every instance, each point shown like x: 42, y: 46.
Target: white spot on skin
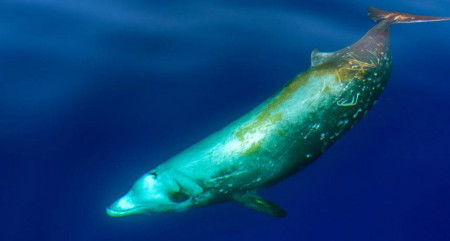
x: 125, y: 204
x: 254, y: 137
x: 149, y: 186
x: 149, y: 182
x: 233, y: 145
x: 241, y: 145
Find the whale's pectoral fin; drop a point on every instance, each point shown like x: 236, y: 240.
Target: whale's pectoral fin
x: 186, y: 189
x: 188, y: 186
x: 261, y: 205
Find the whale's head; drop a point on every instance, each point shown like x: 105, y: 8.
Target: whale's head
x: 154, y: 192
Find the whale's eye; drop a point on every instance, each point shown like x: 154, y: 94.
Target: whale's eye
x: 153, y: 174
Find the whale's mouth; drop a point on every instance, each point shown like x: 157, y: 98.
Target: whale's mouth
x: 120, y: 213
x: 124, y: 206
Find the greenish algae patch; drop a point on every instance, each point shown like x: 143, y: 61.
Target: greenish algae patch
x: 253, y: 127
x: 268, y: 115
x: 258, y: 122
x: 348, y: 69
x: 282, y: 132
x: 254, y: 148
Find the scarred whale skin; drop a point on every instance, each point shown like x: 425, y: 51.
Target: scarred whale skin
x: 279, y: 137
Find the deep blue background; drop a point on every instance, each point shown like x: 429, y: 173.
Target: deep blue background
x: 94, y: 93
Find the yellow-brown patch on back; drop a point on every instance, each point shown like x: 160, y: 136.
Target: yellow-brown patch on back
x: 267, y: 115
x: 348, y: 69
x: 255, y: 147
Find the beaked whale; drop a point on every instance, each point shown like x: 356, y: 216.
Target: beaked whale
x: 280, y: 136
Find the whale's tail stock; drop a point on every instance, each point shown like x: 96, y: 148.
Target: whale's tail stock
x: 379, y: 15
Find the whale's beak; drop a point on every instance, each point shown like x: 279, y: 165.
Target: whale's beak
x: 124, y: 207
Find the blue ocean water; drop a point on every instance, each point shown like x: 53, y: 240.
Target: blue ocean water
x: 95, y: 93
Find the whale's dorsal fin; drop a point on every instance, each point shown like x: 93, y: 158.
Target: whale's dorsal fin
x: 259, y: 204
x: 319, y: 57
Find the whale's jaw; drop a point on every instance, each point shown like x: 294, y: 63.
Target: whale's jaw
x: 124, y: 207
x: 121, y: 213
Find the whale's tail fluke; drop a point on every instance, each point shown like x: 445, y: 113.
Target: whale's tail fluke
x: 379, y: 15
